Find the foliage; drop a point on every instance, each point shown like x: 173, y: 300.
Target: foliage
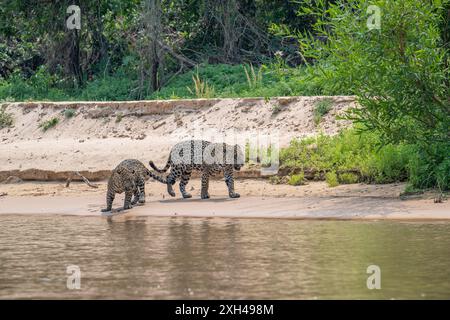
x: 347, y: 178
x: 6, y: 119
x: 254, y: 79
x: 49, y: 124
x: 400, y: 74
x: 357, y: 156
x: 297, y: 179
x: 332, y: 179
x: 201, y: 88
x: 321, y: 108
x: 69, y: 113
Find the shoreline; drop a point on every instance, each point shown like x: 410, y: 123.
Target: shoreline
x: 259, y: 199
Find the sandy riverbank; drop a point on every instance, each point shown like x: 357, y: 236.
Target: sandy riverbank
x: 101, y: 134
x: 259, y: 199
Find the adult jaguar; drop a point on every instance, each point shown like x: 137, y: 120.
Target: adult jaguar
x: 204, y: 156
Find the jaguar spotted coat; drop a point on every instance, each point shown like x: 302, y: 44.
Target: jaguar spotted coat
x: 204, y: 156
x: 129, y: 177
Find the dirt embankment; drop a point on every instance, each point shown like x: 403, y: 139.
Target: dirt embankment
x: 101, y: 134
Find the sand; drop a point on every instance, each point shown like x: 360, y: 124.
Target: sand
x: 259, y: 199
x: 101, y: 134
x: 94, y: 140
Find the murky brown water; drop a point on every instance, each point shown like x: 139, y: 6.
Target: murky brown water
x: 221, y: 258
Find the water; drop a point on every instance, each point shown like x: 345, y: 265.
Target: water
x: 170, y: 258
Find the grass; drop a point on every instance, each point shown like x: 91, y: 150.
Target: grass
x: 46, y: 125
x: 348, y: 178
x: 321, y: 108
x: 353, y: 157
x: 206, y: 80
x: 6, y: 119
x: 297, y: 179
x: 254, y: 79
x: 332, y: 179
x: 201, y: 88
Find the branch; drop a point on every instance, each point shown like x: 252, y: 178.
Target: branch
x: 69, y: 180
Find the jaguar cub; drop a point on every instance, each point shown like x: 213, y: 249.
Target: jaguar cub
x: 204, y: 156
x: 129, y: 177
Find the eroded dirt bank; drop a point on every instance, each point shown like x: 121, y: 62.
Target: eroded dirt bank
x: 101, y: 134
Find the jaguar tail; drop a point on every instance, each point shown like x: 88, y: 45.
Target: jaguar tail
x: 156, y: 177
x: 168, y: 164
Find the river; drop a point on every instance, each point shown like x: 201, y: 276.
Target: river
x: 213, y: 258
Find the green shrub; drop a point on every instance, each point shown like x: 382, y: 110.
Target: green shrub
x: 297, y: 179
x: 6, y: 119
x: 69, y: 113
x: 350, y: 151
x: 430, y: 168
x: 332, y: 179
x: 348, y: 178
x: 49, y: 124
x: 399, y: 73
x: 321, y: 108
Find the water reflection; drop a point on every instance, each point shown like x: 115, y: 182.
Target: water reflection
x: 221, y: 258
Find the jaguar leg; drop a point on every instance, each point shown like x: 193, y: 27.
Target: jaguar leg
x: 171, y: 179
x: 127, y: 202
x: 205, y: 185
x: 230, y: 184
x: 141, y: 190
x: 184, y: 181
x: 109, y: 200
x: 135, y: 196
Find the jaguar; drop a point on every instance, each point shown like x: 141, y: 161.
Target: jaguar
x: 204, y: 156
x: 129, y: 177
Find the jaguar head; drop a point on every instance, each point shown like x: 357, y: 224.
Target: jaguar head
x: 127, y: 179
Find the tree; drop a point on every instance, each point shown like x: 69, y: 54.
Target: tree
x: 398, y: 71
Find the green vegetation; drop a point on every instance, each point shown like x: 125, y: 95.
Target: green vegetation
x: 321, y: 108
x: 157, y: 49
x: 355, y: 157
x: 400, y: 73
x: 347, y: 178
x: 49, y: 124
x: 69, y: 113
x: 254, y: 79
x: 332, y: 179
x: 201, y: 88
x: 6, y: 119
x: 297, y: 179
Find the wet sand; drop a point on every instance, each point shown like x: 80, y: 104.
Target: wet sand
x: 259, y: 199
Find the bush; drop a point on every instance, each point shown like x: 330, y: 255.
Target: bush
x: 6, y: 119
x: 321, y: 108
x: 69, y: 113
x: 297, y: 179
x: 348, y: 178
x: 49, y: 124
x: 349, y: 151
x: 430, y: 168
x: 399, y: 73
x: 332, y: 179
